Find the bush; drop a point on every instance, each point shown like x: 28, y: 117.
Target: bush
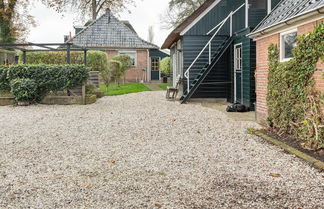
x: 124, y: 60
x: 165, y: 66
x: 96, y: 60
x: 4, y: 83
x: 294, y: 106
x: 47, y: 77
x: 24, y: 90
x: 114, y: 70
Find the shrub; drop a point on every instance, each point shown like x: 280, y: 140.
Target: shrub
x: 294, y: 106
x: 165, y: 66
x: 96, y: 60
x: 47, y: 77
x: 4, y: 83
x: 115, y: 70
x: 125, y: 61
x: 24, y: 89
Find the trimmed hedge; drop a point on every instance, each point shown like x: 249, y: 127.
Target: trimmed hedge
x: 96, y: 60
x: 46, y: 78
x: 24, y: 89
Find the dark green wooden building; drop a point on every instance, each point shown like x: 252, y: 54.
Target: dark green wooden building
x: 212, y: 54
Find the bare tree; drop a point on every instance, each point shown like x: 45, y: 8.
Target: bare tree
x: 91, y: 8
x: 178, y: 11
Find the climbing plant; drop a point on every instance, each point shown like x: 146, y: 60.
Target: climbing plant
x: 294, y: 105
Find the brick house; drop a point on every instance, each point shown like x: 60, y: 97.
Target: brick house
x: 281, y: 27
x: 115, y: 37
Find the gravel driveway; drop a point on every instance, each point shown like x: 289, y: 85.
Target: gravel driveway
x: 140, y: 151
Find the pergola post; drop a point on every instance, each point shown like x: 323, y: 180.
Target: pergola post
x: 68, y: 54
x: 85, y: 57
x: 24, y: 57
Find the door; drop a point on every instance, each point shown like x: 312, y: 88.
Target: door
x: 238, y: 76
x: 155, y: 68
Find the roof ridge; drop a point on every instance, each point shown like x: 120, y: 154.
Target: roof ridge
x: 138, y: 40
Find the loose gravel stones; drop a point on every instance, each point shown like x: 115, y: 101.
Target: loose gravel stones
x: 140, y: 151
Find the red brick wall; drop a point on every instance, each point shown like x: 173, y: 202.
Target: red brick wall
x: 262, y: 68
x: 134, y: 74
x: 261, y: 74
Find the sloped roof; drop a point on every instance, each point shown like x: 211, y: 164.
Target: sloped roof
x: 108, y: 32
x: 175, y: 34
x: 288, y: 9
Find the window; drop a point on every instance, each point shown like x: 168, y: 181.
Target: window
x: 238, y: 57
x: 288, y: 41
x: 132, y: 55
x: 155, y: 61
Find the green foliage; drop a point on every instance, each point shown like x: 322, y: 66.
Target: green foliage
x: 127, y: 88
x: 24, y: 89
x: 294, y: 106
x: 96, y: 60
x: 46, y: 77
x: 125, y: 61
x: 4, y: 82
x: 115, y: 69
x: 165, y: 66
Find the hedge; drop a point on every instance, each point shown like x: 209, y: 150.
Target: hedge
x: 46, y: 78
x: 96, y: 60
x: 294, y: 106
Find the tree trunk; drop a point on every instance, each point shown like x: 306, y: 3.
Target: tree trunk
x: 94, y: 9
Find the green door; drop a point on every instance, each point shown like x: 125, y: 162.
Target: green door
x: 155, y: 68
x: 238, y: 76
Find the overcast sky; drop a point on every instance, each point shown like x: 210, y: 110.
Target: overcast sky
x: 51, y: 27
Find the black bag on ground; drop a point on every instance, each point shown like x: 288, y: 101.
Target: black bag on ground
x: 236, y: 107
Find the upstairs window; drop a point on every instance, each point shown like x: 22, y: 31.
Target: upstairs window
x: 288, y: 40
x: 132, y: 55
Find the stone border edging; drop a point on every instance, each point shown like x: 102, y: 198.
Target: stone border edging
x: 313, y: 161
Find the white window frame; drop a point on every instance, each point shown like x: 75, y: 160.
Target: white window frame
x: 239, y: 58
x: 129, y: 51
x: 282, y: 46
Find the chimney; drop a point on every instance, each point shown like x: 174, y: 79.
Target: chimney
x: 66, y: 38
x: 108, y: 11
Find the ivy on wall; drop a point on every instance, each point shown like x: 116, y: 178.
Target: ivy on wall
x: 294, y: 106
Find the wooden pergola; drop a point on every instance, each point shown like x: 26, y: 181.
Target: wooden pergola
x: 49, y: 47
x: 46, y: 47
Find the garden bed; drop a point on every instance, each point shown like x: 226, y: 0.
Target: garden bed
x: 295, y: 143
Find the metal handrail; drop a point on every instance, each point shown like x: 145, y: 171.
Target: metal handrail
x: 219, y: 26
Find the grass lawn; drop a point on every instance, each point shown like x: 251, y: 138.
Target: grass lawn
x: 127, y: 88
x: 163, y: 85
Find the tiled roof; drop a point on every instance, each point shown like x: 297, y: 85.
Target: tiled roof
x: 288, y: 9
x: 108, y: 32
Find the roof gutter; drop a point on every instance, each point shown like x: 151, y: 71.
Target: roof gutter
x: 288, y: 22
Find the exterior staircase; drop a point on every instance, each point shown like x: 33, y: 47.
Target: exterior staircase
x: 199, y: 77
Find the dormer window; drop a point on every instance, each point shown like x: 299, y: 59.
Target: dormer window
x: 288, y: 40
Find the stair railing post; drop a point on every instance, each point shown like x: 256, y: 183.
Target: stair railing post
x: 188, y: 81
x: 210, y: 49
x: 231, y: 24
